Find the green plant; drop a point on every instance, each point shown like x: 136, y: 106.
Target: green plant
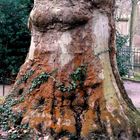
x: 14, y: 36
x: 42, y: 78
x: 123, y: 57
x: 77, y: 79
x: 11, y: 121
x: 25, y: 77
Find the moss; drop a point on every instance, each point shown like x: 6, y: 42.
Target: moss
x: 136, y: 77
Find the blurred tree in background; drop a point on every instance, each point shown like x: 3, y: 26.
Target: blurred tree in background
x: 14, y: 36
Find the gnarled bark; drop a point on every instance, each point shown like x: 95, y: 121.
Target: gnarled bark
x: 69, y: 81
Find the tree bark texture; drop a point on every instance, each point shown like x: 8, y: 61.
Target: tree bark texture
x: 69, y: 81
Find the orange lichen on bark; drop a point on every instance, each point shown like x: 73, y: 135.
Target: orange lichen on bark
x: 59, y: 110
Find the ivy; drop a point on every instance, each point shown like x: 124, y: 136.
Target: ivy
x: 25, y: 77
x: 79, y: 74
x: 77, y: 80
x: 122, y: 58
x: 42, y: 78
x: 11, y: 122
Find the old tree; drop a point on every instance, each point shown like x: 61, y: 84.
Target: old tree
x: 69, y: 86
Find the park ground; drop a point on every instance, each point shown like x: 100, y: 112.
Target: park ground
x: 133, y: 90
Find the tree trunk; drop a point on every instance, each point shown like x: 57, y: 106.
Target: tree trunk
x: 131, y: 33
x: 132, y: 22
x: 69, y: 86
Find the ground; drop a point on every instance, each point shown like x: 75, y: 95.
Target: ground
x: 133, y: 90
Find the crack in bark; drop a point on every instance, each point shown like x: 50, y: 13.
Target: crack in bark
x: 78, y: 110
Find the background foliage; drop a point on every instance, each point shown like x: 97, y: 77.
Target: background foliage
x: 122, y: 58
x: 14, y: 36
